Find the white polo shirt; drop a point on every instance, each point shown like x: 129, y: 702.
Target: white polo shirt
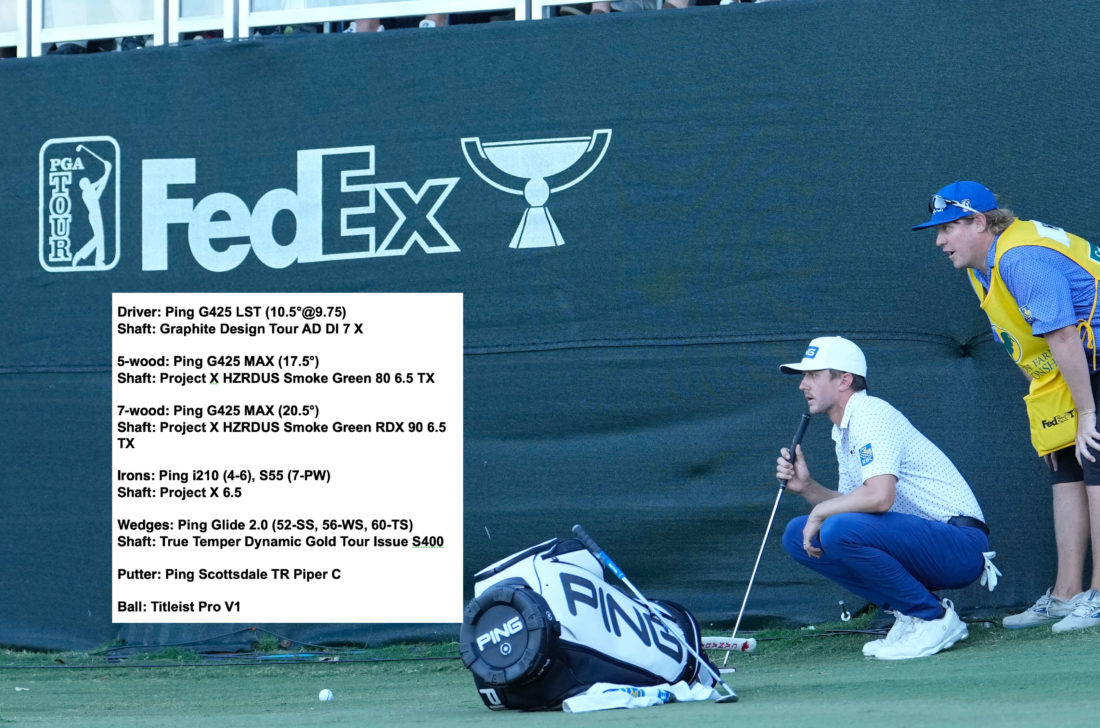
x: 873, y: 439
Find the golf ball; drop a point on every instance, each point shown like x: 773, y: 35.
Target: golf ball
x: 325, y: 695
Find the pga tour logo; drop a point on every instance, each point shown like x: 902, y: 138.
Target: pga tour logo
x: 78, y: 203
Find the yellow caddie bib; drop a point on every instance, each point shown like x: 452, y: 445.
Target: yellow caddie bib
x: 1050, y: 408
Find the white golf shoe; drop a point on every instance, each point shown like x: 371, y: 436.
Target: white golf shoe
x: 901, y: 625
x: 926, y: 637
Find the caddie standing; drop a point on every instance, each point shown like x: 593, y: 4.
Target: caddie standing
x: 1039, y: 286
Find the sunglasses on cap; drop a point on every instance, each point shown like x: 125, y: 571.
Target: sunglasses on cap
x: 939, y: 203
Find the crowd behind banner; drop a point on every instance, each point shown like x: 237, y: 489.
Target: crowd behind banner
x: 36, y: 27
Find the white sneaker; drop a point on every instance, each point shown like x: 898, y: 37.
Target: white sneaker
x: 1046, y: 609
x: 926, y: 636
x: 901, y: 625
x: 1085, y: 613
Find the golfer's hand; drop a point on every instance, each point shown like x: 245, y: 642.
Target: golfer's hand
x: 809, y: 533
x: 1087, y: 436
x: 797, y: 474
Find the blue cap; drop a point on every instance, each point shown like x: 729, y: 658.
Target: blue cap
x: 958, y: 200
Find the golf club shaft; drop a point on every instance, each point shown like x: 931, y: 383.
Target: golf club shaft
x: 89, y: 151
x: 802, y: 424
x: 604, y: 559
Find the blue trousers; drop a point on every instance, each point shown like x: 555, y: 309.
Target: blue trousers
x: 892, y: 559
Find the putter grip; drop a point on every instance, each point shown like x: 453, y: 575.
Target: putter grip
x: 802, y: 425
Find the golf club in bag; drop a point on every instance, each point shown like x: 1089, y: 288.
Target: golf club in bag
x: 730, y: 696
x: 544, y: 626
x: 802, y: 424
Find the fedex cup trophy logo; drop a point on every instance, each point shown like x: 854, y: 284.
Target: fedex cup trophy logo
x: 541, y: 165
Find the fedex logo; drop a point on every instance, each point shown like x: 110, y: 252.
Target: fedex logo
x: 334, y: 207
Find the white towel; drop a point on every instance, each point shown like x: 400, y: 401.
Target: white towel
x: 604, y: 696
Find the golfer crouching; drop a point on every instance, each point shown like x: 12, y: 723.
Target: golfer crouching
x: 903, y: 522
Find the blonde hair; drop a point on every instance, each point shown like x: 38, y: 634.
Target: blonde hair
x: 998, y: 220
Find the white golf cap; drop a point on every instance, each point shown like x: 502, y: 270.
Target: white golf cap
x: 830, y: 352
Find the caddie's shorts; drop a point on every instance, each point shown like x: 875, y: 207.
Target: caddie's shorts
x: 1069, y: 470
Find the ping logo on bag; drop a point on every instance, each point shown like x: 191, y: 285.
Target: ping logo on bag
x: 496, y: 634
x: 642, y: 630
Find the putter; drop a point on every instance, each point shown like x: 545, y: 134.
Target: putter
x: 802, y: 424
x: 590, y: 544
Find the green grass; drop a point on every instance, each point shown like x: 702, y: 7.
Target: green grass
x: 995, y: 678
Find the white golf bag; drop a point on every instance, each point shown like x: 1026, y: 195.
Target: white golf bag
x: 544, y: 626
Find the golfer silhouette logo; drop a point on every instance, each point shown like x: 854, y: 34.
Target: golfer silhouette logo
x: 79, y: 204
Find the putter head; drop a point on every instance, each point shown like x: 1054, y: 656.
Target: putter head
x: 729, y: 697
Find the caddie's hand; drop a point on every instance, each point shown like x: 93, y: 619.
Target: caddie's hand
x: 809, y: 533
x: 796, y: 474
x: 1087, y: 436
x: 1051, y: 459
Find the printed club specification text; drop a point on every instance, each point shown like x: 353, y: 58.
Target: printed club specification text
x: 287, y: 457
